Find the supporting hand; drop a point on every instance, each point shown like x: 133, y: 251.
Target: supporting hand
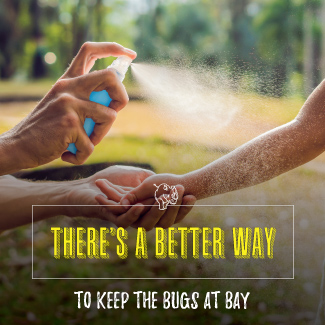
x: 119, y: 181
x: 151, y: 216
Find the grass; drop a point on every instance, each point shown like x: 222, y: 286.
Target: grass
x: 30, y: 88
x: 263, y: 108
x: 24, y: 301
x: 53, y: 301
x: 269, y: 109
x: 162, y: 155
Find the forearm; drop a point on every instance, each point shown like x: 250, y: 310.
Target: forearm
x: 17, y: 198
x: 10, y: 156
x: 259, y: 160
x: 266, y: 156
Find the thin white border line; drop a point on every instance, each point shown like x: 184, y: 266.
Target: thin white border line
x: 163, y: 278
x: 200, y: 205
x: 151, y: 205
x: 293, y: 241
x: 32, y: 242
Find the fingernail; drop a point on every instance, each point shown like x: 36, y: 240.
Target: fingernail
x: 98, y: 180
x: 130, y: 51
x: 125, y: 202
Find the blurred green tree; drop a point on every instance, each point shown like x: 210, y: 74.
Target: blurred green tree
x: 178, y: 32
x: 277, y: 43
x: 30, y: 28
x: 288, y: 35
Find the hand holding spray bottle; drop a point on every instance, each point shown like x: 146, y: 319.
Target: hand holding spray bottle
x: 120, y: 65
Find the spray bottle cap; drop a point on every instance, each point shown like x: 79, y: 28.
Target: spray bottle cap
x: 121, y: 65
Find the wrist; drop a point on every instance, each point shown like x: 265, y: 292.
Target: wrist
x: 70, y: 198
x: 54, y: 198
x: 11, y: 158
x: 172, y: 179
x: 191, y: 185
x: 17, y: 198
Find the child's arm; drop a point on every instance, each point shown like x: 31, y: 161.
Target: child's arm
x: 257, y: 161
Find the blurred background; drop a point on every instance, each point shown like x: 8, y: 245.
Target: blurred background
x: 260, y: 40
x: 271, y: 54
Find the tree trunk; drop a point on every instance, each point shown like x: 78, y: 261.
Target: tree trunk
x: 322, y: 21
x: 308, y: 51
x: 237, y: 11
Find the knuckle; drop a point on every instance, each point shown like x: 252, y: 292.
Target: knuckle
x: 132, y: 198
x: 131, y: 218
x: 70, y: 120
x: 89, y: 148
x: 86, y: 46
x: 146, y: 173
x: 68, y: 161
x: 106, y: 114
x: 124, y: 100
x: 80, y: 161
x: 115, y: 46
x: 103, y: 211
x: 65, y: 100
x: 60, y: 86
x: 85, y: 152
x: 111, y: 115
x: 110, y: 74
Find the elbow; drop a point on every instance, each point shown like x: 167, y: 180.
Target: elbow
x: 311, y: 132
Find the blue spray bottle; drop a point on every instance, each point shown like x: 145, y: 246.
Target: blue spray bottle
x: 120, y: 65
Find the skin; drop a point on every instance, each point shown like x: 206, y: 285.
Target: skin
x: 45, y: 134
x: 58, y: 119
x: 265, y: 157
x: 17, y: 198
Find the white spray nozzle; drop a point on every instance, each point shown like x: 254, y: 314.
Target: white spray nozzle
x: 121, y: 65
